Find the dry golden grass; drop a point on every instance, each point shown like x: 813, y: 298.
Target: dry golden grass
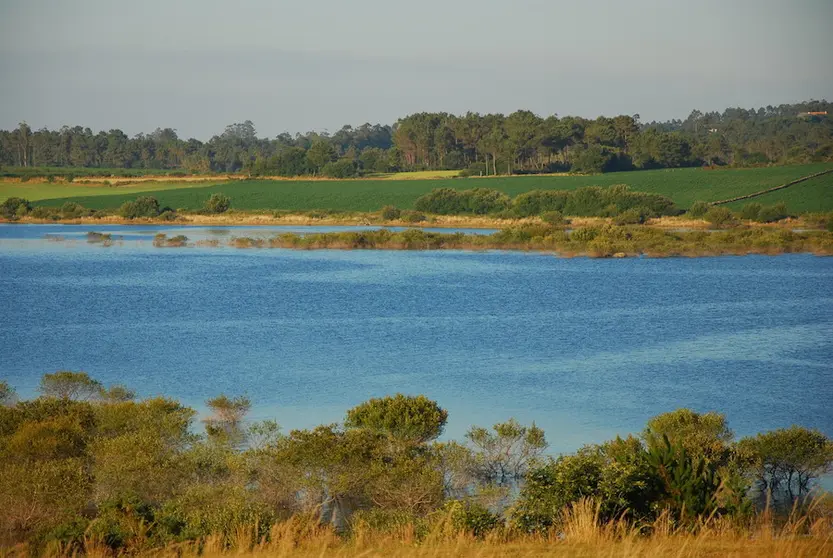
x: 582, y: 535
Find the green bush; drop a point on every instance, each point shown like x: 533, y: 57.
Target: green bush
x: 14, y: 208
x: 413, y: 217
x: 772, y: 213
x: 750, y: 211
x: 145, y: 206
x: 477, y: 201
x: 633, y: 216
x: 391, y: 213
x: 72, y: 210
x: 555, y: 218
x: 218, y: 203
x: 343, y: 168
x: 718, y: 215
x: 471, y: 518
x: 698, y: 209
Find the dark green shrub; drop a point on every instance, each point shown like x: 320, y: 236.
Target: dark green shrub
x: 218, y: 203
x: 168, y: 215
x: 14, y: 208
x: 41, y: 213
x: 633, y: 216
x: 718, y: 215
x: 72, y: 210
x: 772, y: 213
x: 343, y: 168
x: 537, y: 202
x: 481, y: 201
x: 698, y: 209
x: 145, y: 206
x: 442, y: 201
x: 750, y: 211
x: 413, y: 217
x: 471, y: 518
x: 555, y: 218
x: 391, y: 213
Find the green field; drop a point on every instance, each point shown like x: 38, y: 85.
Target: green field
x: 684, y: 186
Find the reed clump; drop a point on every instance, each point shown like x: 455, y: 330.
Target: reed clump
x: 605, y: 241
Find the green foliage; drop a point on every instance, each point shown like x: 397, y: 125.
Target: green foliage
x: 504, y: 455
x: 772, y: 213
x: 555, y: 218
x: 470, y: 517
x: 698, y: 209
x: 413, y: 217
x: 447, y: 201
x: 343, y: 168
x: 683, y: 186
x: 718, y: 216
x: 391, y: 213
x: 786, y: 462
x: 750, y: 211
x: 218, y: 203
x: 617, y: 474
x: 633, y: 216
x: 144, y: 206
x: 705, y: 435
x: 13, y: 208
x: 8, y: 396
x: 416, y: 419
x: 70, y: 385
x: 72, y: 210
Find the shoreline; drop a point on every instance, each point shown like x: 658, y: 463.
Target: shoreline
x: 370, y: 219
x: 592, y: 242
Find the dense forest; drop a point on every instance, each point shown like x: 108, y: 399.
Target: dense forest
x: 475, y: 144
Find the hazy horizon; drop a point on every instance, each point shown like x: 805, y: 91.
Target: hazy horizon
x: 198, y: 66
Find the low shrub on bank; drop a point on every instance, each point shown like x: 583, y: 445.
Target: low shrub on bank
x: 89, y: 469
x: 144, y: 206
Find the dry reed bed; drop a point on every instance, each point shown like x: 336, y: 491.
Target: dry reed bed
x: 801, y: 535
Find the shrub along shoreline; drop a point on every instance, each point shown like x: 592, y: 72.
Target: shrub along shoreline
x: 90, y: 469
x: 606, y: 241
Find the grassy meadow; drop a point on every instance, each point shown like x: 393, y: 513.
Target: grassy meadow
x: 683, y: 186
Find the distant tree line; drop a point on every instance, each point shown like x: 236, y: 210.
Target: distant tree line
x: 88, y: 462
x: 474, y: 143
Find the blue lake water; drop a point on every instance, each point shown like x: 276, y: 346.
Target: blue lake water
x: 585, y: 348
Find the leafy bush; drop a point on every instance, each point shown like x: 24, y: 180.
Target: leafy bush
x: 145, y: 206
x: 537, y: 202
x: 14, y: 208
x: 718, y: 215
x: 633, y: 216
x: 772, y: 213
x: 72, y: 210
x: 391, y: 213
x: 471, y: 517
x: 218, y: 203
x: 555, y: 218
x: 698, y: 209
x: 750, y: 211
x: 343, y: 168
x: 413, y: 217
x: 447, y: 201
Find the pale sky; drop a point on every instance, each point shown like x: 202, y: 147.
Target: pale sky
x: 198, y: 65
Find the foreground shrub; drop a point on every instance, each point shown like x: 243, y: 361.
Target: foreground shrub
x: 218, y: 203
